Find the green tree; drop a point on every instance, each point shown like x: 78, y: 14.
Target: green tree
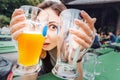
x: 35, y: 2
x: 8, y: 6
x: 4, y: 20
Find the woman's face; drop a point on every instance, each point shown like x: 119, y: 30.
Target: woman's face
x: 51, y: 39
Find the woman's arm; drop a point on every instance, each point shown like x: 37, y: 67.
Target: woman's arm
x: 80, y: 71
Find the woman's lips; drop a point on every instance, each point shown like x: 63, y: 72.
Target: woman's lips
x: 45, y: 44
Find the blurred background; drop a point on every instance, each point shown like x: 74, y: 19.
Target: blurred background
x: 8, y: 6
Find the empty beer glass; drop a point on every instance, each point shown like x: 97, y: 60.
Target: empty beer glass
x: 89, y: 64
x: 69, y: 51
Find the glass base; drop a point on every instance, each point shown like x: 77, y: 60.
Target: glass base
x: 25, y: 73
x: 88, y: 75
x: 65, y: 71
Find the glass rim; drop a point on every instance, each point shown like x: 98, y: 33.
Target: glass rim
x: 31, y: 6
x: 70, y: 9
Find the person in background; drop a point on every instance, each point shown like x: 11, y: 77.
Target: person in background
x: 96, y: 44
x: 103, y: 38
x: 118, y: 38
x: 49, y: 55
x: 111, y: 38
x: 5, y: 30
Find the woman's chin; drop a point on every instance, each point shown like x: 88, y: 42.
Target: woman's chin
x: 46, y: 48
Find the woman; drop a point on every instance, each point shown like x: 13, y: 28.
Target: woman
x: 49, y: 48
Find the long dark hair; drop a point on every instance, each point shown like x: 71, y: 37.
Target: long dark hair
x: 57, y: 7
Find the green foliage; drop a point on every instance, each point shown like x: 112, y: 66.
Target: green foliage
x: 4, y: 20
x: 35, y: 2
x: 8, y: 6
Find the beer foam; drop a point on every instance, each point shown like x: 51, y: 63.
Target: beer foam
x: 32, y: 32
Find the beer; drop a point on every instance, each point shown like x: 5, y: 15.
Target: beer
x: 29, y: 48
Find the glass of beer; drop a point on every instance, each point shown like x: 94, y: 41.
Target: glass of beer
x: 30, y: 42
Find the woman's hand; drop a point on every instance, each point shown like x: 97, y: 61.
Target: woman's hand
x: 86, y: 36
x: 17, y: 23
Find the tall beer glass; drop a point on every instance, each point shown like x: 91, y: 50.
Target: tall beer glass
x: 30, y: 43
x: 69, y: 51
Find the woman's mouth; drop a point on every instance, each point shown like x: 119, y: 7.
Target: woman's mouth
x: 45, y: 44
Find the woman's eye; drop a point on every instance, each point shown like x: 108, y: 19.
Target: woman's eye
x: 52, y: 27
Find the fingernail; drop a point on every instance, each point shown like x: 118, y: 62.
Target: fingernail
x: 76, y: 21
x: 71, y: 30
x: 83, y: 12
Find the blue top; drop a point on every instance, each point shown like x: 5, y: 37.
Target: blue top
x: 96, y: 43
x: 112, y: 38
x: 96, y: 39
x: 118, y: 39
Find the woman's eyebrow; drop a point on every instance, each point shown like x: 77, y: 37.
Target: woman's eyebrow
x: 53, y: 22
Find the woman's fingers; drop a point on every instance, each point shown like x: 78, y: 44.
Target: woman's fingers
x: 85, y: 34
x: 90, y: 21
x: 81, y: 42
x: 17, y: 23
x: 17, y: 33
x: 17, y: 19
x: 17, y: 16
x: 17, y: 27
x: 83, y: 26
x: 81, y: 35
x: 17, y: 12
